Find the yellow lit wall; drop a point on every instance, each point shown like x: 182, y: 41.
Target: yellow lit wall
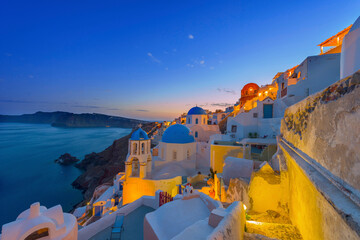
x: 135, y: 188
x: 220, y: 152
x: 266, y: 192
x: 313, y: 215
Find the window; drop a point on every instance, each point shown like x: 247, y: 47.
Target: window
x: 196, y: 121
x: 282, y: 85
x: 233, y: 128
x: 143, y: 148
x: 162, y: 153
x: 174, y: 155
x: 196, y: 134
x: 255, y: 115
x: 188, y: 154
x: 204, y: 121
x: 189, y: 120
x: 134, y: 148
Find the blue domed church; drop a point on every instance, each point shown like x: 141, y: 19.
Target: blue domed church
x: 177, y: 144
x: 197, y: 122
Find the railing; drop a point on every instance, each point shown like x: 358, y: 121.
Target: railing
x: 164, y: 197
x: 117, y: 228
x: 284, y: 92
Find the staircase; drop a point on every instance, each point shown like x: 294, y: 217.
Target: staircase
x: 270, y: 225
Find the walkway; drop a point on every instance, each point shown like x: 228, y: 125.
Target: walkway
x: 134, y: 224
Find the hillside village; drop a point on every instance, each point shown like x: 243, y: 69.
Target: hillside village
x: 281, y: 163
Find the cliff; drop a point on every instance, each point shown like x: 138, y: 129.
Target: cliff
x: 100, y: 168
x: 66, y: 119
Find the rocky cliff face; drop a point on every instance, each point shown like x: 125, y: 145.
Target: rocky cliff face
x: 100, y: 168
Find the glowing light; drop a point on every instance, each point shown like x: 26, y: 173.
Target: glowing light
x: 244, y: 207
x: 266, y: 92
x: 259, y: 94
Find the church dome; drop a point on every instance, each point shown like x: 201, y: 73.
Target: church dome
x: 139, y: 134
x: 177, y: 134
x: 196, y: 111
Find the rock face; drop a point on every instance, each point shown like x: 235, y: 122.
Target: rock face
x: 100, y: 168
x: 66, y: 159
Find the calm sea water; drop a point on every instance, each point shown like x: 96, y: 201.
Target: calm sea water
x: 27, y: 169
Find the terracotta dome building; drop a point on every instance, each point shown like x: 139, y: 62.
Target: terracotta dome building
x: 248, y: 92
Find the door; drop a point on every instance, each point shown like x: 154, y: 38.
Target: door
x: 268, y: 110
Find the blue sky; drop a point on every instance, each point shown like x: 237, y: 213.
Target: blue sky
x: 153, y: 59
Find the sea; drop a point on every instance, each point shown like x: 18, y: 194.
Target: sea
x: 28, y: 173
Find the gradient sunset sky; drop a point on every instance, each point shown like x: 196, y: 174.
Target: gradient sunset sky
x: 153, y: 59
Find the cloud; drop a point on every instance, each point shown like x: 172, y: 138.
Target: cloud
x: 197, y: 62
x: 15, y: 101
x: 191, y: 36
x: 86, y: 106
x: 154, y: 59
x: 95, y: 107
x: 225, y: 90
x: 211, y: 68
x: 29, y: 101
x: 221, y: 104
x: 142, y: 110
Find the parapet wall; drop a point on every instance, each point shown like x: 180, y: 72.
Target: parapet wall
x: 325, y: 126
x: 135, y: 188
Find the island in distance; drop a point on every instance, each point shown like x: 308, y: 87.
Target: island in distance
x: 67, y: 119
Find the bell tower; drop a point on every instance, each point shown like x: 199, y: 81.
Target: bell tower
x: 138, y: 160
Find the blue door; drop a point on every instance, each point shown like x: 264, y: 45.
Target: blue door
x: 268, y: 110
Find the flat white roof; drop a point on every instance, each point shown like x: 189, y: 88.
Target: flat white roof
x: 260, y: 141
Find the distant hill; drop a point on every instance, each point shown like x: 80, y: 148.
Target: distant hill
x: 66, y: 119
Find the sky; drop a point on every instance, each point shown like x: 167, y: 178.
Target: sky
x: 153, y: 60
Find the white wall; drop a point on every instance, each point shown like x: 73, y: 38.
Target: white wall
x: 350, y: 51
x: 166, y: 151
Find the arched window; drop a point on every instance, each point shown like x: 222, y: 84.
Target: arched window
x: 162, y: 153
x: 135, y: 168
x: 196, y: 134
x: 142, y: 148
x: 188, y: 154
x: 174, y: 155
x: 189, y: 120
x: 196, y: 121
x: 134, y: 148
x: 204, y: 121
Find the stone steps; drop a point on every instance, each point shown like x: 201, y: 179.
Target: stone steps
x: 272, y: 230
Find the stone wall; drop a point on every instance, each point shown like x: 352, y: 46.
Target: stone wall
x: 325, y: 126
x: 316, y: 207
